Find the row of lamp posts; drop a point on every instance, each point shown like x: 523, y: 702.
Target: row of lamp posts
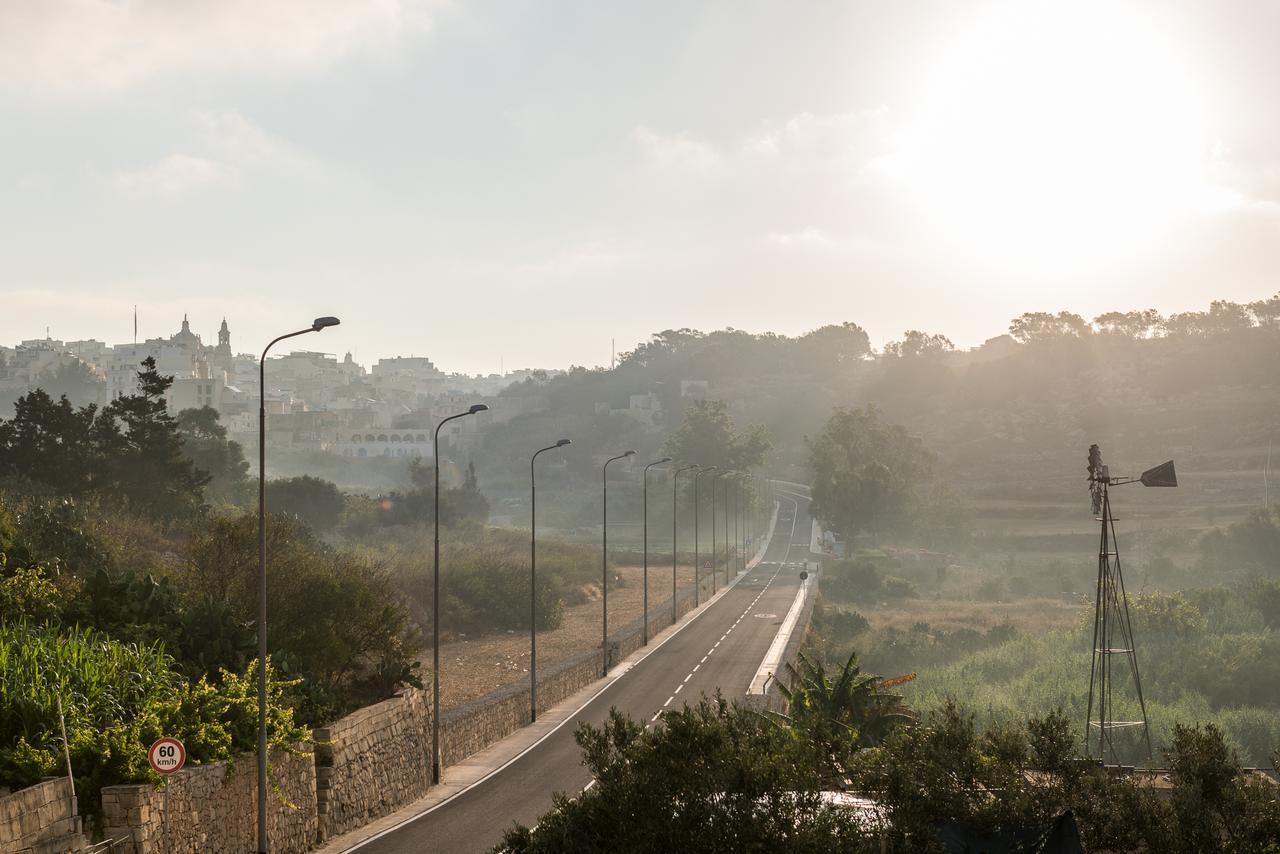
x: 322, y: 323
x: 436, y: 764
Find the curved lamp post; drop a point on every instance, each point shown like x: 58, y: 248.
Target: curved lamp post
x: 729, y: 557
x: 740, y: 523
x: 644, y: 623
x: 316, y: 325
x: 533, y: 578
x: 696, y: 557
x: 715, y: 562
x: 675, y: 479
x: 604, y: 552
x: 435, y: 599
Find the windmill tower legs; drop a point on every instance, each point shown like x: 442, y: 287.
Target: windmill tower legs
x: 1112, y: 638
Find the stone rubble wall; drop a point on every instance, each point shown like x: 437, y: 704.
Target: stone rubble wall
x: 40, y: 820
x: 214, y: 808
x: 373, y: 761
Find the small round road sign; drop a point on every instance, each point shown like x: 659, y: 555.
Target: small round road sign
x: 167, y: 755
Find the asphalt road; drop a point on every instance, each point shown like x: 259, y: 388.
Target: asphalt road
x: 720, y: 648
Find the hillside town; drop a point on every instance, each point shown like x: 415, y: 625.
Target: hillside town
x: 318, y: 402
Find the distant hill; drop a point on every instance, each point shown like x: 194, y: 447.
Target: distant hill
x: 1011, y: 420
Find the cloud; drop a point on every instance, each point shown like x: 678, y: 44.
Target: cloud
x: 174, y: 175
x: 109, y: 45
x: 233, y: 151
x: 677, y: 152
x: 846, y: 143
x: 840, y: 137
x: 237, y: 139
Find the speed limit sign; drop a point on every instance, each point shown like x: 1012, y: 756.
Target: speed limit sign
x: 167, y: 755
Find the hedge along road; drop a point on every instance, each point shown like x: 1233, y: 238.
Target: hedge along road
x: 720, y: 647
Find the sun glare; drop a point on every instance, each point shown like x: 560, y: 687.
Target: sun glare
x: 1058, y: 136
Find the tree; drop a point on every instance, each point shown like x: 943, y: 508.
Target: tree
x: 915, y: 344
x: 459, y: 505
x: 205, y: 442
x: 866, y: 472
x: 53, y: 444
x: 708, y: 437
x: 709, y: 778
x: 337, y: 620
x: 130, y: 450
x: 74, y: 380
x: 840, y: 344
x: 149, y: 468
x: 1129, y: 324
x: 1042, y: 326
x: 315, y: 502
x: 851, y: 711
x: 1266, y: 312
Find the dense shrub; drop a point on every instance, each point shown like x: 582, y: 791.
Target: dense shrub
x: 855, y: 580
x: 710, y: 778
x: 117, y: 699
x: 317, y: 503
x: 336, y: 620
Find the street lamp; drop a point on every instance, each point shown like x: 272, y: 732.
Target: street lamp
x: 715, y: 563
x: 733, y: 559
x: 730, y: 553
x: 675, y: 480
x: 533, y: 578
x: 435, y: 601
x: 604, y: 551
x: 316, y: 325
x: 644, y: 626
x: 696, y: 558
x: 738, y: 527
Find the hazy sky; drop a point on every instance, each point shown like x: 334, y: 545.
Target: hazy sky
x: 522, y: 181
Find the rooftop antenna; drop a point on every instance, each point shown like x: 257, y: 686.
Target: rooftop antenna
x: 1112, y: 629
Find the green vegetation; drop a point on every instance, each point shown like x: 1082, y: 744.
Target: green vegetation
x: 316, y: 503
x: 117, y: 699
x: 711, y: 778
x: 128, y: 451
x: 140, y: 618
x: 868, y: 474
x: 1206, y: 655
x: 715, y: 777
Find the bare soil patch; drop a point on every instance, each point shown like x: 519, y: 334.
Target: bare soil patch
x: 471, y: 667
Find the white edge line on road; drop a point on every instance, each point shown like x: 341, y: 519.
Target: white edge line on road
x: 773, y: 658
x: 690, y: 618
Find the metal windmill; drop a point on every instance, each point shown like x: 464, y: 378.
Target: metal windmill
x: 1112, y: 629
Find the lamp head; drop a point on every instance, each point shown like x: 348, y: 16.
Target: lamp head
x: 324, y: 323
x: 628, y: 453
x: 563, y: 442
x: 479, y: 407
x: 665, y: 460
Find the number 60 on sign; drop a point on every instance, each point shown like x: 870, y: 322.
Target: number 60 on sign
x: 167, y: 755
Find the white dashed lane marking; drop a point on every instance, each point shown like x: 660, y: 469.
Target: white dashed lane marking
x: 722, y: 637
